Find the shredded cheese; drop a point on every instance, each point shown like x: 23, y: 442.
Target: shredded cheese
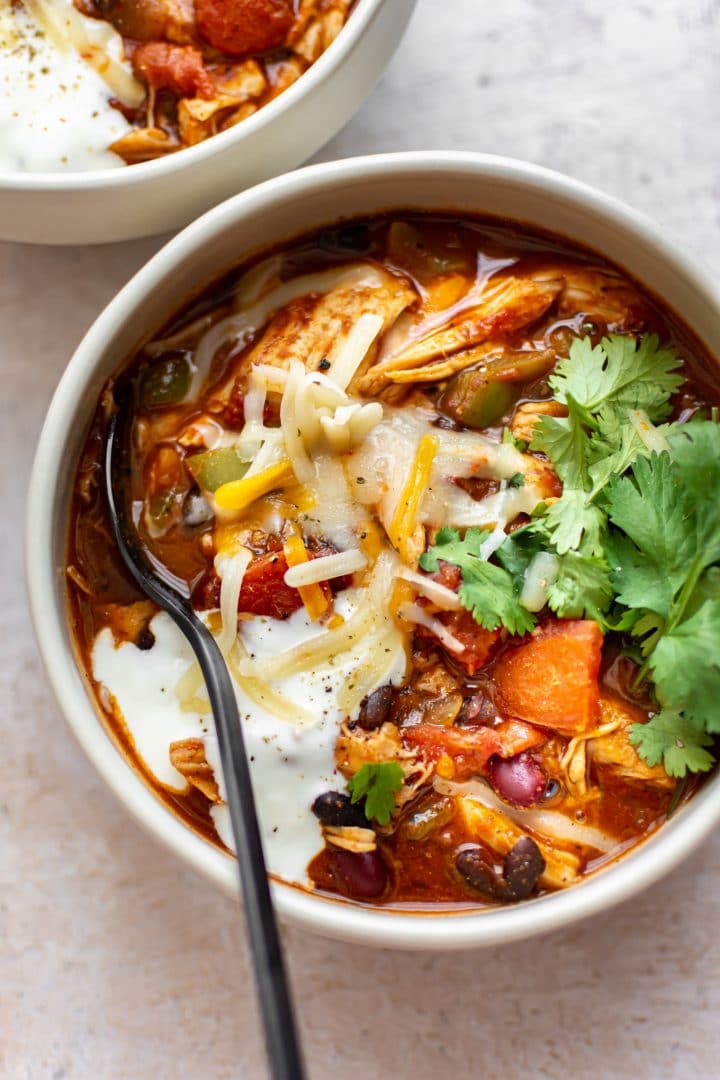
x: 303, y: 573
x: 354, y: 348
x: 440, y: 595
x: 239, y: 494
x: 231, y: 571
x: 415, y: 614
x: 405, y: 518
x: 315, y: 600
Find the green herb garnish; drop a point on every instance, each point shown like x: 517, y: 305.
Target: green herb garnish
x: 377, y: 784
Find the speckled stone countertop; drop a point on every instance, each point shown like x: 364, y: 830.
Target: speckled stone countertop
x: 117, y: 962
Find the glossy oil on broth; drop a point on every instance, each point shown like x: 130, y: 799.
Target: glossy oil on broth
x: 368, y: 398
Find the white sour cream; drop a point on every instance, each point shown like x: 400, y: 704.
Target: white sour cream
x: 55, y: 112
x: 290, y: 766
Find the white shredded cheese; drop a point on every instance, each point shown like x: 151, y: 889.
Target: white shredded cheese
x: 231, y: 571
x: 440, y: 595
x: 415, y: 614
x: 353, y: 349
x: 325, y: 568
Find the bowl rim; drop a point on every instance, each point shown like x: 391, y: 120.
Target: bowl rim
x: 360, y: 19
x: 340, y: 919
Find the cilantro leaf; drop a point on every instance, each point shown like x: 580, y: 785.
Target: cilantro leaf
x: 686, y: 667
x: 564, y: 440
x: 487, y: 591
x: 624, y: 371
x: 650, y: 561
x: 450, y: 547
x: 669, y: 538
x: 572, y: 522
x: 377, y: 784
x: 615, y: 446
x: 520, y: 548
x: 695, y: 449
x: 582, y: 587
x: 672, y: 740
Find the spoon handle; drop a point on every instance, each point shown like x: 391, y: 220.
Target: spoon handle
x: 273, y: 993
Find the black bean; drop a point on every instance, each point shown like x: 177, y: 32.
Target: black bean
x: 145, y: 639
x: 374, y: 708
x: 523, y: 866
x: 474, y: 867
x: 335, y: 808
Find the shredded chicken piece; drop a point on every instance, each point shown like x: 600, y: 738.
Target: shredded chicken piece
x: 507, y: 305
x: 356, y: 747
x: 350, y: 837
x: 613, y: 752
x: 188, y: 757
x: 144, y: 144
x: 286, y: 73
x: 527, y: 415
x: 309, y: 329
x: 446, y: 366
x: 501, y: 834
x: 604, y: 295
x: 198, y: 117
x: 317, y: 25
x: 128, y: 621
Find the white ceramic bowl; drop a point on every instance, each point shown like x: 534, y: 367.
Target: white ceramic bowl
x: 156, y: 196
x: 275, y: 212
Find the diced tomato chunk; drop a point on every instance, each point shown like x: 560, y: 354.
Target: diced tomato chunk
x: 552, y: 677
x: 472, y: 747
x: 238, y: 27
x: 178, y: 68
x: 479, y: 643
x: 264, y: 591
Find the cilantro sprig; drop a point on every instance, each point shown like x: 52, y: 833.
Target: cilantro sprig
x: 635, y: 536
x: 663, y: 547
x: 488, y: 591
x: 601, y: 387
x: 377, y: 784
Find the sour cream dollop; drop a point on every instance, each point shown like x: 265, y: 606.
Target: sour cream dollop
x: 290, y: 765
x: 55, y: 112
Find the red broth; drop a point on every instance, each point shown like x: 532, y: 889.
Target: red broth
x: 497, y: 737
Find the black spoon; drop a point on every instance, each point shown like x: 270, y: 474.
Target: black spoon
x: 273, y: 992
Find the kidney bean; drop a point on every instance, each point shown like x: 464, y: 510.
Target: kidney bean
x: 357, y: 875
x: 518, y: 779
x: 374, y: 708
x: 523, y: 866
x: 335, y: 808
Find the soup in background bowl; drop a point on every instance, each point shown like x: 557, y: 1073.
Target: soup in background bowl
x: 415, y: 469
x: 86, y: 88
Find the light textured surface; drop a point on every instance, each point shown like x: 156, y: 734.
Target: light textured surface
x: 116, y: 962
